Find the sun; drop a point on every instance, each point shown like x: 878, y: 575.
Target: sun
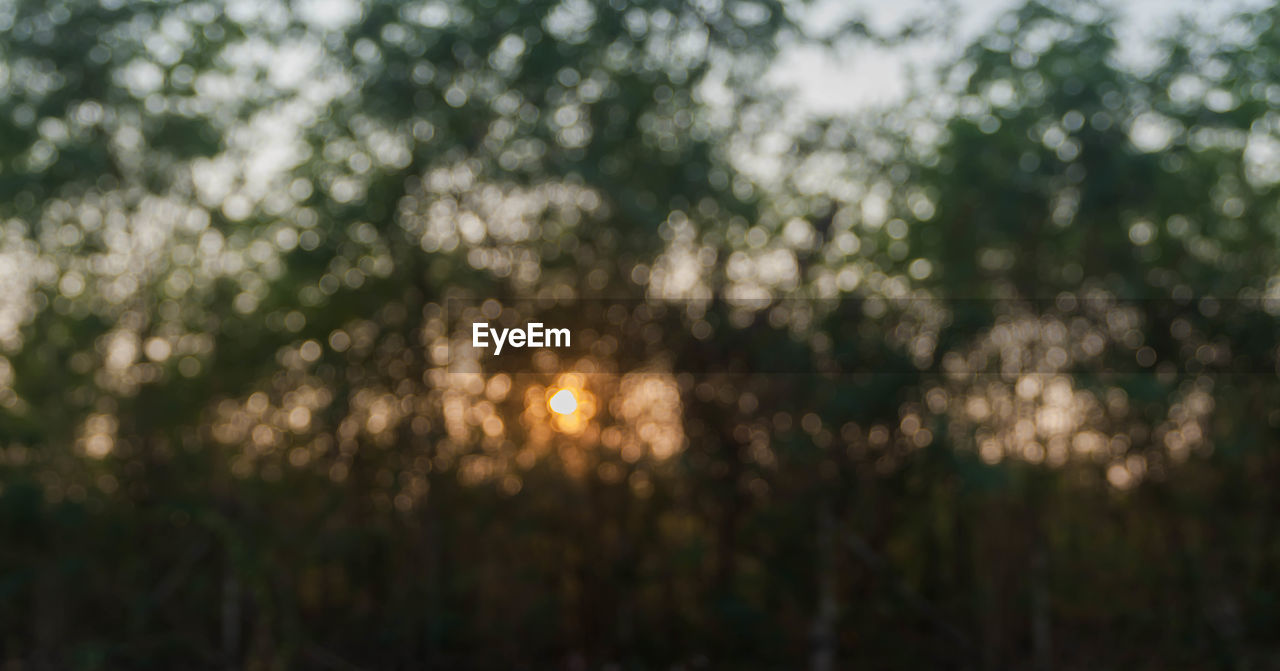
x: 563, y: 402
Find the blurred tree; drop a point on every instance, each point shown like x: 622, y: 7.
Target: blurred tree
x: 230, y: 436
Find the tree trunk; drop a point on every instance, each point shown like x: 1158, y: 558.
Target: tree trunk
x: 823, y: 633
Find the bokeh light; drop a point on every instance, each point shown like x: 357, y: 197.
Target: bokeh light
x: 563, y: 402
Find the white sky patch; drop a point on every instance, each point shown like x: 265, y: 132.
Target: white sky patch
x: 1152, y: 132
x: 1262, y: 160
x: 328, y: 14
x: 865, y: 76
x: 294, y: 64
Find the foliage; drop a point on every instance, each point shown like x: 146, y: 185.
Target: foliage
x: 231, y: 436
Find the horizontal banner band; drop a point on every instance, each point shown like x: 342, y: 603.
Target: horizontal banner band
x: 1067, y: 334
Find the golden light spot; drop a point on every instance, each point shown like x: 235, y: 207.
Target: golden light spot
x: 99, y: 445
x: 563, y: 402
x: 572, y: 406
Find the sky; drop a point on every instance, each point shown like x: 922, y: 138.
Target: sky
x: 862, y: 76
x: 867, y: 77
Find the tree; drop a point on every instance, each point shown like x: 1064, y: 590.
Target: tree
x: 982, y: 384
